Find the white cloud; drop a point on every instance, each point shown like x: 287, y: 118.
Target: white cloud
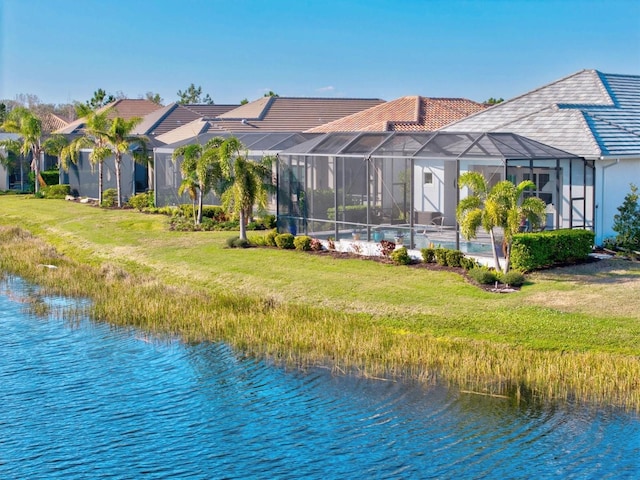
x: 329, y: 88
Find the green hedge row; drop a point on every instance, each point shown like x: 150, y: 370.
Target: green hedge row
x: 350, y: 213
x: 531, y: 251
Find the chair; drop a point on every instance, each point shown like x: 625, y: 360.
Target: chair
x: 429, y: 221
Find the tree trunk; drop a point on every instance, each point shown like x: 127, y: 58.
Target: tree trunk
x: 495, y: 252
x: 507, y: 257
x: 118, y: 189
x: 36, y: 170
x: 243, y: 227
x: 200, y: 202
x: 100, y: 184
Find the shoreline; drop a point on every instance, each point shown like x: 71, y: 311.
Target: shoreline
x: 292, y: 332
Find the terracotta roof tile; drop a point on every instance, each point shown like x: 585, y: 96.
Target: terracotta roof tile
x: 413, y: 113
x: 126, y: 108
x: 52, y: 122
x: 289, y: 114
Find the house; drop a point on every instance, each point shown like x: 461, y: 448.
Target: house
x: 389, y: 183
x: 591, y: 114
x: 405, y: 114
x: 14, y: 170
x: 288, y: 114
x: 265, y: 127
x: 175, y: 115
x: 168, y: 176
x: 82, y: 177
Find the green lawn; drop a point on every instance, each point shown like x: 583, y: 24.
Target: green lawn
x: 568, y: 332
x: 560, y: 309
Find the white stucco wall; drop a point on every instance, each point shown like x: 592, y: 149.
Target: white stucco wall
x: 4, y: 178
x: 429, y: 197
x: 613, y: 177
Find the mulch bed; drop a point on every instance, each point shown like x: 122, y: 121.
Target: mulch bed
x: 500, y: 288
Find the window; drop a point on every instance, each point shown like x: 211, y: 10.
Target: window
x: 428, y: 178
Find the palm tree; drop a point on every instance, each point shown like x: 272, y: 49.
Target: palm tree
x: 249, y: 181
x: 189, y: 185
x: 26, y: 124
x: 200, y: 170
x: 120, y: 140
x: 500, y: 206
x: 95, y: 138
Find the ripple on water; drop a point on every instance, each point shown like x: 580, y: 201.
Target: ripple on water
x: 86, y: 400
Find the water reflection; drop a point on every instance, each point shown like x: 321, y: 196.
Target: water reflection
x: 93, y: 401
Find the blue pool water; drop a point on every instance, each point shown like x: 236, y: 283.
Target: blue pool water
x: 87, y: 400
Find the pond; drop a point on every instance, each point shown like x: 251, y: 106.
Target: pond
x: 81, y: 399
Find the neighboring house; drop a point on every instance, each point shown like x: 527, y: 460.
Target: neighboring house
x: 168, y: 176
x: 288, y: 114
x: 50, y: 123
x: 82, y: 177
x: 175, y: 115
x: 405, y: 114
x: 265, y: 127
x: 14, y: 170
x: 125, y: 108
x: 591, y: 114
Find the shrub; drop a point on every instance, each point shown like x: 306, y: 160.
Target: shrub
x: 401, y: 256
x: 285, y: 241
x: 241, y: 243
x: 260, y: 241
x: 316, y: 245
x: 441, y: 256
x: 483, y: 275
x: 255, y: 226
x: 270, y: 238
x: 303, y: 242
x: 532, y: 251
x: 208, y: 224
x: 51, y: 177
x: 231, y: 242
x: 626, y: 223
x: 468, y: 263
x: 179, y: 223
x: 454, y: 258
x: 428, y: 255
x: 387, y: 247
x: 349, y: 213
x: 141, y: 201
x: 109, y: 198
x: 186, y: 210
x: 269, y: 221
x: 513, y: 278
x: 56, y: 191
x: 228, y: 225
x: 214, y: 212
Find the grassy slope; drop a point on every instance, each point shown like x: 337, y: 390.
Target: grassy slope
x: 569, y: 309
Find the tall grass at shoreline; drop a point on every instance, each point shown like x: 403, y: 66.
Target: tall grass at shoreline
x: 304, y: 335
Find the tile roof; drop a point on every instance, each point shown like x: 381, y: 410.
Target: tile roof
x: 52, y: 122
x: 211, y: 111
x: 289, y: 114
x: 126, y: 108
x: 175, y: 115
x: 589, y: 113
x: 413, y: 113
x: 188, y: 130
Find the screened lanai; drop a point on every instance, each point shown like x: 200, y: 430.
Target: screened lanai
x: 403, y: 185
x: 167, y: 175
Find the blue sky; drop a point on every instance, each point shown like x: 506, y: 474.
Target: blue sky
x: 63, y: 50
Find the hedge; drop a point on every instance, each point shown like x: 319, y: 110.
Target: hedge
x: 531, y: 251
x: 350, y: 213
